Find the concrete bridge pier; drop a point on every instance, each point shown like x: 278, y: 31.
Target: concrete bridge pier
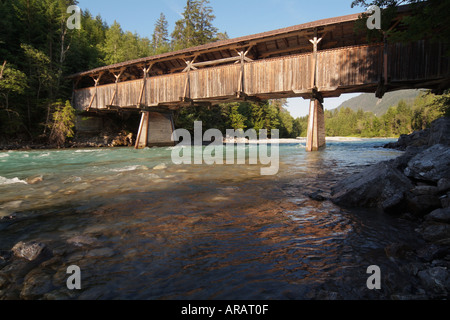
x: 155, y: 130
x: 316, y: 126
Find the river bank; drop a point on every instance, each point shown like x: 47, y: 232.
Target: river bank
x: 414, y: 186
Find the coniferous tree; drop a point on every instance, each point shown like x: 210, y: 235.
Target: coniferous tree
x: 196, y: 27
x: 160, y: 38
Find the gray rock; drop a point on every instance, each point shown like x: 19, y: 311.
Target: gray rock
x: 430, y: 252
x: 443, y: 185
x: 317, y: 196
x: 433, y: 164
x: 415, y: 139
x: 435, y: 279
x: 30, y: 251
x: 440, y: 215
x: 436, y: 232
x: 424, y: 190
x: 422, y: 204
x: 439, y: 132
x: 397, y: 250
x: 379, y: 185
x: 445, y: 200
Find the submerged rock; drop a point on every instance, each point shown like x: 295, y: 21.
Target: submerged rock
x: 100, y: 253
x: 30, y: 251
x: 317, y: 196
x: 161, y: 166
x: 35, y: 180
x: 36, y: 284
x: 80, y: 241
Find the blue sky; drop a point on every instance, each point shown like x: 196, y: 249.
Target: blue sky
x: 236, y: 17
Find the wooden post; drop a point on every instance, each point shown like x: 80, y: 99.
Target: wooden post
x: 96, y: 81
x: 117, y: 86
x: 144, y: 84
x: 241, y: 75
x: 187, y: 85
x: 316, y: 123
x: 316, y: 126
x: 142, y: 136
x: 315, y: 66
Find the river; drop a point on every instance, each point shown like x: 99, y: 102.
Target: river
x: 151, y: 229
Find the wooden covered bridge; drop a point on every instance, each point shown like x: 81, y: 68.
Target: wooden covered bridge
x: 314, y: 61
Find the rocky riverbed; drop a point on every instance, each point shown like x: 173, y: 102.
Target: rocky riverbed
x: 415, y: 186
x: 103, y: 140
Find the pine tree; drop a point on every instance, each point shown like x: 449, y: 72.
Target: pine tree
x: 160, y: 38
x: 196, y: 27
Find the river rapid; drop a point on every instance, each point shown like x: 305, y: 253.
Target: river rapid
x: 141, y: 227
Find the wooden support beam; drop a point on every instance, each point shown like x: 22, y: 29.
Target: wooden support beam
x: 96, y: 81
x: 316, y: 126
x: 117, y: 76
x: 315, y: 41
x: 146, y: 70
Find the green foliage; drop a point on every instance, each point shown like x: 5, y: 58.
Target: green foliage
x: 122, y: 46
x: 401, y: 119
x: 195, y: 28
x: 160, y: 37
x: 63, y: 123
x: 429, y: 19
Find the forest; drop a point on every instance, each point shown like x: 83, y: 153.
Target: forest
x: 38, y: 51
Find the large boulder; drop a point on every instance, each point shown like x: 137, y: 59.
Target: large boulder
x: 439, y: 132
x: 380, y: 185
x: 432, y: 164
x: 416, y: 139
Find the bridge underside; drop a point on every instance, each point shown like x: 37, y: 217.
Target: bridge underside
x: 314, y: 61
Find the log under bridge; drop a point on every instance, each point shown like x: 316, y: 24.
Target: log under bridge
x: 314, y: 61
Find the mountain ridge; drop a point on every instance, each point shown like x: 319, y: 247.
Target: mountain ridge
x: 369, y: 103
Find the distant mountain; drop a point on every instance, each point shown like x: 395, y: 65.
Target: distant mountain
x: 369, y: 103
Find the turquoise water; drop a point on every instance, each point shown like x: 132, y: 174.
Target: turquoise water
x: 157, y: 230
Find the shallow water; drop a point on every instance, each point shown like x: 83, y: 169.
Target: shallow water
x: 155, y: 230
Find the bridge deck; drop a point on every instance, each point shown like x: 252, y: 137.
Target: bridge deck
x: 350, y: 69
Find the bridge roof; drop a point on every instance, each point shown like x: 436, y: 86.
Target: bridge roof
x: 336, y: 32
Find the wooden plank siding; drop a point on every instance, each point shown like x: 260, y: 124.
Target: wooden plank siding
x: 350, y: 68
x: 421, y: 60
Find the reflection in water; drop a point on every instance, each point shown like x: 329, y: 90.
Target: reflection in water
x: 192, y: 232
